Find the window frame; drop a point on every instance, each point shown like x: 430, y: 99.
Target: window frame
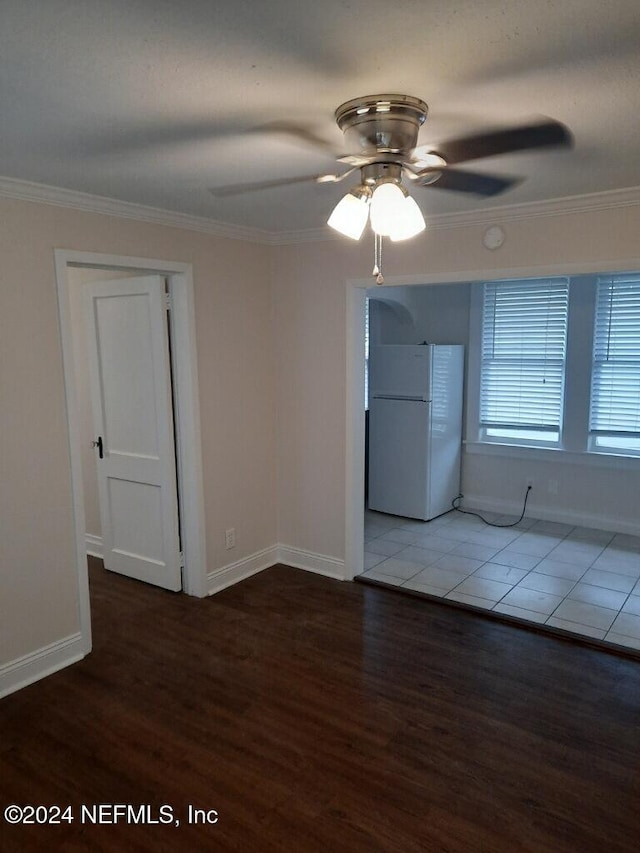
x: 602, y: 338
x: 513, y: 434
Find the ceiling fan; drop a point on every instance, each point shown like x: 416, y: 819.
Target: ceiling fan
x: 381, y: 134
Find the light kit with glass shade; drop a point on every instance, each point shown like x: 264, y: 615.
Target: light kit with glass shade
x: 381, y: 131
x: 385, y: 201
x: 382, y: 200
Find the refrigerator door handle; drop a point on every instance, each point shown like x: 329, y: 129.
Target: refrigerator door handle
x: 409, y: 398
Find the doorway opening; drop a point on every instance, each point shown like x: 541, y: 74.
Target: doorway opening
x: 186, y: 410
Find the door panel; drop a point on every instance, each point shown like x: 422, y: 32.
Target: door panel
x: 132, y: 410
x: 135, y: 510
x: 126, y: 319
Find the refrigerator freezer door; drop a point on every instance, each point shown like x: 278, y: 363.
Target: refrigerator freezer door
x: 399, y: 436
x: 400, y: 371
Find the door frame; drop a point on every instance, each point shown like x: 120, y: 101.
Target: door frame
x: 186, y: 415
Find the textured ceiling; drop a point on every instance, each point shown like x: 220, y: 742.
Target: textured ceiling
x: 154, y: 101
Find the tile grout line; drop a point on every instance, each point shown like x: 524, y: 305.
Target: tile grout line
x: 407, y: 542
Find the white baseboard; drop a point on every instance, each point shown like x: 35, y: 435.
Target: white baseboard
x: 320, y: 564
x: 36, y: 665
x: 94, y: 545
x: 232, y: 573
x: 225, y: 576
x: 546, y: 513
x: 297, y: 558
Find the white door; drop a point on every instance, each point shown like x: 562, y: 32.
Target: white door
x: 133, y: 418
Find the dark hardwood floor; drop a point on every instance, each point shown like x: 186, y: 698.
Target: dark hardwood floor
x: 315, y: 715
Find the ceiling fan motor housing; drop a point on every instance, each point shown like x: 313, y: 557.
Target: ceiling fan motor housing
x: 381, y: 172
x: 382, y: 124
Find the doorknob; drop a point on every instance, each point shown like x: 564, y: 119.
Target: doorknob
x: 98, y: 444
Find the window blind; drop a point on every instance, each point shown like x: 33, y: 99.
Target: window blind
x: 615, y: 378
x: 524, y: 333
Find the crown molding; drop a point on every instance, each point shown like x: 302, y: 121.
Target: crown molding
x: 44, y: 194
x: 60, y: 197
x: 588, y: 203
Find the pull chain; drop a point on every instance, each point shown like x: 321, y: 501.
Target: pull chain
x: 377, y: 258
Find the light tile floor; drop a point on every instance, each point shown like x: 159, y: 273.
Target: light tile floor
x: 581, y: 580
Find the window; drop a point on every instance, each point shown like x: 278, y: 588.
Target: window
x: 524, y: 334
x: 615, y: 381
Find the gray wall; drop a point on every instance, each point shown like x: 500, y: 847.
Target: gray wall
x: 436, y: 313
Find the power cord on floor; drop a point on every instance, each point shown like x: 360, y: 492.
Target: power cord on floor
x: 492, y: 523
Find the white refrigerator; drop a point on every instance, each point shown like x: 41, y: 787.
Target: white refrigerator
x: 415, y: 428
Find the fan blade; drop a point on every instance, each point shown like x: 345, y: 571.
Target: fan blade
x: 542, y: 135
x: 237, y: 189
x: 357, y: 160
x: 465, y: 182
x: 299, y: 132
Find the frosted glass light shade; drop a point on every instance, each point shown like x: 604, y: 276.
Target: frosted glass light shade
x: 409, y: 222
x: 387, y: 208
x: 349, y: 216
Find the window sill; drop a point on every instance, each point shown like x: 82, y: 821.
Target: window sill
x: 553, y: 454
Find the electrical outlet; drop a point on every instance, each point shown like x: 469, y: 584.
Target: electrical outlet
x: 530, y: 482
x: 230, y: 538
